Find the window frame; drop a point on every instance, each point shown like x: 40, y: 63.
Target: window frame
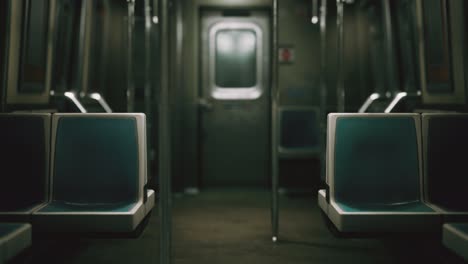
x: 235, y: 93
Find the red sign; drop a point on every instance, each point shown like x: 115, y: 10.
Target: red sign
x: 286, y: 55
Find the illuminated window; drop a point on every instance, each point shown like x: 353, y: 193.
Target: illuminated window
x: 236, y: 56
x: 235, y: 62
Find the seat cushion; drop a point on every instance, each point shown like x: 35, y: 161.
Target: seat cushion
x: 57, y: 206
x: 416, y: 207
x: 412, y: 217
x: 72, y: 218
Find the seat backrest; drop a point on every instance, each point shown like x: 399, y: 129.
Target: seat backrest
x: 445, y: 142
x: 24, y: 148
x: 98, y: 158
x: 299, y: 129
x: 374, y: 158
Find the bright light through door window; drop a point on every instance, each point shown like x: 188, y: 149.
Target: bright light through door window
x: 235, y: 62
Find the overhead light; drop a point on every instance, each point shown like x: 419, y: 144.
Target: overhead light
x: 314, y: 20
x: 155, y: 19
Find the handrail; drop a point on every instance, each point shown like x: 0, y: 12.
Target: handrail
x: 72, y: 97
x: 398, y: 98
x: 372, y: 97
x: 100, y: 99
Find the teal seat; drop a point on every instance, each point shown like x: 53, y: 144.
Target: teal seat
x: 14, y: 238
x: 445, y: 142
x: 455, y: 238
x: 24, y: 151
x: 374, y: 174
x: 299, y: 131
x: 99, y: 174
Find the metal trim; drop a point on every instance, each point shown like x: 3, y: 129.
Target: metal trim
x: 399, y: 97
x: 372, y: 97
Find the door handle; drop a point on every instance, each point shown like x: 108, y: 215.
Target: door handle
x: 205, y: 104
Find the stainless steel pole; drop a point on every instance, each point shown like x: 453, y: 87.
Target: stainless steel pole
x: 323, y: 83
x: 315, y: 12
x: 130, y: 83
x: 148, y: 28
x: 164, y: 143
x: 340, y: 89
x: 274, y: 126
x: 78, y: 84
x: 389, y: 54
x: 4, y: 73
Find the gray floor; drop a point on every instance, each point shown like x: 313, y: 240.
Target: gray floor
x: 233, y: 226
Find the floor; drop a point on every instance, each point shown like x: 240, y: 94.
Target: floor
x: 233, y: 226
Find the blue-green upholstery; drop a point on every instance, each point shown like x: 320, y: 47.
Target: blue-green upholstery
x: 57, y: 206
x: 95, y: 164
x: 8, y: 228
x: 415, y: 207
x: 445, y: 161
x: 455, y: 238
x: 14, y: 237
x: 299, y: 129
x: 462, y: 227
x: 23, y: 161
x: 376, y: 164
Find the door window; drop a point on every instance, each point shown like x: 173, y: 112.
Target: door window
x: 235, y: 56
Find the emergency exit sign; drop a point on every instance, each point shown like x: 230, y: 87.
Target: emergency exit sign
x: 286, y: 55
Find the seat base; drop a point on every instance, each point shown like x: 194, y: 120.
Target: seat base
x: 48, y: 219
x: 450, y: 216
x: 383, y: 221
x: 151, y: 200
x: 455, y: 237
x: 322, y: 200
x: 14, y: 238
x: 21, y: 215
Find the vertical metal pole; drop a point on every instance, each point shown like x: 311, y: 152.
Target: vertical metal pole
x: 51, y: 41
x: 388, y: 37
x: 87, y: 37
x: 130, y: 83
x: 6, y: 55
x: 78, y: 85
x: 274, y: 126
x: 323, y: 83
x: 148, y: 27
x: 164, y: 138
x: 315, y: 12
x: 148, y: 95
x: 340, y: 89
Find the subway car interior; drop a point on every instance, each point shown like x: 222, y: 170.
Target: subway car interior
x: 230, y: 131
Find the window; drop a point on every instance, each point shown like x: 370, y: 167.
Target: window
x: 235, y: 61
x: 236, y: 54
